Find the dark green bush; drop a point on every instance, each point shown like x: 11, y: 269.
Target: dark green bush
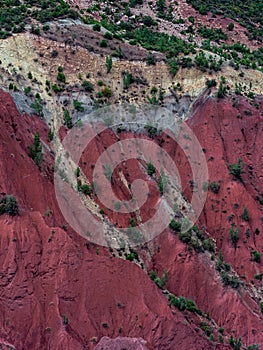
x: 215, y: 187
x: 88, y: 86
x: 35, y: 151
x: 8, y: 205
x: 237, y: 169
x: 256, y: 256
x: 150, y: 169
x: 67, y: 119
x: 175, y: 226
x: 245, y: 215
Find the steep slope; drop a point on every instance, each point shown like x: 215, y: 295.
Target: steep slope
x: 227, y: 130
x: 56, y: 291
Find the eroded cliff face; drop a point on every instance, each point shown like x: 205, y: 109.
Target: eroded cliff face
x: 227, y: 130
x: 58, y: 292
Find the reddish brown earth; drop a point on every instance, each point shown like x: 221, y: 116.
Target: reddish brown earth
x: 226, y: 130
x: 49, y: 274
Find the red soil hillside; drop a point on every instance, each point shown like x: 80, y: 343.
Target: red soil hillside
x: 226, y: 130
x: 56, y: 293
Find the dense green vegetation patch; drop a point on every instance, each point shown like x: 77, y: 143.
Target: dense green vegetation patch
x: 15, y: 14
x: 248, y: 13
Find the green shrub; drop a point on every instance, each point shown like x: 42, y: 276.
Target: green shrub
x: 27, y: 90
x: 215, y: 187
x: 253, y: 347
x: 206, y: 328
x: 209, y: 245
x: 175, y: 226
x: 127, y: 80
x: 221, y: 93
x: 211, y: 83
x: 61, y: 77
x: 234, y: 235
x: 106, y: 92
x: 65, y: 320
x: 88, y: 86
x: 108, y: 63
x: 236, y: 344
x: 150, y: 60
x: 67, y: 119
x: 86, y: 189
x: 103, y: 43
x: 78, y: 106
x: 185, y: 237
x: 245, y: 215
x: 97, y: 27
x: 108, y: 36
x: 237, y: 169
x: 173, y: 66
x: 77, y: 172
x: 50, y: 135
x: 35, y: 151
x: 231, y: 26
x: 160, y: 282
x: 256, y: 256
x: 8, y: 205
x: 38, y: 107
x: 150, y: 169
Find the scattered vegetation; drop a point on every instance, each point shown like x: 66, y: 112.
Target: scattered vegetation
x: 160, y: 282
x: 235, y: 343
x: 183, y: 304
x: 225, y: 269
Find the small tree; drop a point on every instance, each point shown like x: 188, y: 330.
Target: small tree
x: 86, y: 189
x: 77, y: 172
x: 61, y: 77
x: 175, y: 225
x: 215, y: 187
x: 108, y: 63
x: 78, y: 106
x: 88, y: 86
x: 173, y: 66
x: 35, y: 151
x: 237, y: 169
x: 8, y: 205
x: 234, y: 235
x: 230, y: 27
x: 222, y: 90
x: 211, y: 83
x: 97, y: 27
x: 150, y: 60
x: 256, y: 256
x: 50, y: 135
x: 235, y: 343
x: 106, y: 92
x: 67, y: 119
x: 245, y: 215
x: 151, y: 169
